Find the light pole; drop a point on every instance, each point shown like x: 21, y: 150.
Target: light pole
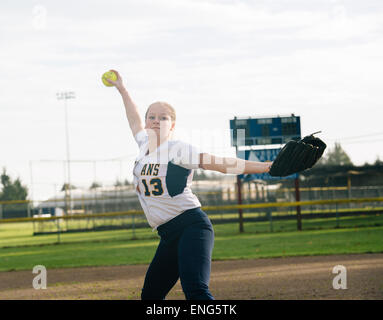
x: 65, y: 95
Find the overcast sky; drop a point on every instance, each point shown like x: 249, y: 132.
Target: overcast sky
x: 212, y: 60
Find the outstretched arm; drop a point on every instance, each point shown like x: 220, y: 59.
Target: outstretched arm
x: 232, y: 165
x: 131, y: 109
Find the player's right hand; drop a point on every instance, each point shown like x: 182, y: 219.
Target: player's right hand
x: 118, y: 83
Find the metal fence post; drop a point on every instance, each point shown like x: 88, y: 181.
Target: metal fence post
x: 28, y: 209
x: 270, y: 214
x: 58, y: 230
x: 349, y: 190
x: 337, y: 215
x: 240, y: 212
x: 298, y: 208
x: 133, y: 227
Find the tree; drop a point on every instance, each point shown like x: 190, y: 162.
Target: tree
x: 65, y: 185
x: 336, y: 157
x: 12, y: 190
x: 378, y: 161
x: 127, y: 183
x: 95, y: 185
x: 118, y: 183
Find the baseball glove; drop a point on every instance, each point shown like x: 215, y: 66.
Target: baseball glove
x: 297, y: 156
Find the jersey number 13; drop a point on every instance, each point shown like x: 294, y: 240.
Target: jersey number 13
x: 155, y: 186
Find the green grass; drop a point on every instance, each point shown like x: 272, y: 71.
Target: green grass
x: 78, y: 254
x: 229, y: 244
x: 315, y: 224
x: 315, y: 242
x: 21, y: 234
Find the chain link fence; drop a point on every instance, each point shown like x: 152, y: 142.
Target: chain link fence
x: 119, y: 209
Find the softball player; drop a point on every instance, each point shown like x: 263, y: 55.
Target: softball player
x: 163, y: 173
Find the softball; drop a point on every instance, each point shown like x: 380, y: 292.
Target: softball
x: 108, y: 75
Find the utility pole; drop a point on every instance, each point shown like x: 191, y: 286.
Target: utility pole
x: 66, y: 95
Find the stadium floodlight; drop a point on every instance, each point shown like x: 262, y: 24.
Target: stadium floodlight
x: 66, y: 95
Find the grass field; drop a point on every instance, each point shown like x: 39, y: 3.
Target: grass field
x: 19, y: 250
x: 21, y: 234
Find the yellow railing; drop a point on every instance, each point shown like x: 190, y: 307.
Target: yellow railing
x: 15, y: 201
x: 205, y: 208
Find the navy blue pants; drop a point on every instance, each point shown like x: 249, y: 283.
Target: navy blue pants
x: 184, y: 252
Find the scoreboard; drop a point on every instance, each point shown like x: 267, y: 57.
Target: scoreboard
x: 248, y: 132
x: 261, y: 155
x: 264, y: 131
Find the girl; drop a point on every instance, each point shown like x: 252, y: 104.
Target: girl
x: 163, y: 174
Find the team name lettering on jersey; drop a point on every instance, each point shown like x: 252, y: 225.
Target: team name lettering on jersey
x: 150, y: 169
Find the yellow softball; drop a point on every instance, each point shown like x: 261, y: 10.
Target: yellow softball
x: 108, y: 75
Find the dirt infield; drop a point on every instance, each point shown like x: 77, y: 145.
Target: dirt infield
x: 266, y: 279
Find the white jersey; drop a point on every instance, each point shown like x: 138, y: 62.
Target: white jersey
x: 163, y: 179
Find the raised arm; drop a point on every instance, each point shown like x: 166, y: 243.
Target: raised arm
x: 232, y: 165
x: 135, y: 122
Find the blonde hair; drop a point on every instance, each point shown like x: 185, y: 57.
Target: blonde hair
x: 171, y: 110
